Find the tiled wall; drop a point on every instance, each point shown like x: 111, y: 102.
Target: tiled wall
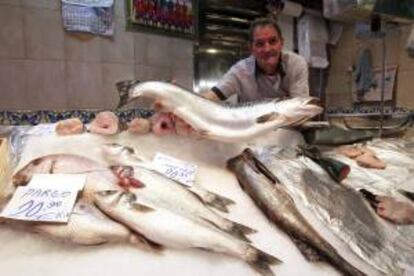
x: 44, y: 67
x: 344, y: 55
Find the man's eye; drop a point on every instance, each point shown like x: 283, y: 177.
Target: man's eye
x: 259, y: 44
x: 273, y: 41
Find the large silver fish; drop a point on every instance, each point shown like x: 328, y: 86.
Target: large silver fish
x: 226, y: 123
x: 169, y: 229
x: 167, y: 193
x: 341, y: 208
x: 272, y: 198
x: 117, y: 154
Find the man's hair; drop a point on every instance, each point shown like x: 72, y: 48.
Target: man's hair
x: 260, y: 22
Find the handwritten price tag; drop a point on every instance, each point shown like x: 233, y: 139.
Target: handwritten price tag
x: 50, y: 202
x: 176, y: 169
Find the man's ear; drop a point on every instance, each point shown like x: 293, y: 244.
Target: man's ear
x: 249, y: 46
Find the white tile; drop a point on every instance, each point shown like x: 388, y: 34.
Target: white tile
x: 10, y: 2
x: 44, y: 34
x: 119, y: 48
x: 140, y: 47
x: 159, y: 51
x: 147, y: 72
x: 46, y: 84
x: 83, y: 47
x: 84, y: 85
x: 183, y: 78
x: 182, y: 53
x: 12, y: 85
x: 42, y: 4
x: 11, y: 32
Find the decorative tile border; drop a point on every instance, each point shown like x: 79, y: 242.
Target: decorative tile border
x: 34, y: 117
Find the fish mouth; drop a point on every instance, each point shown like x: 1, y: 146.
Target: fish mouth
x: 20, y: 180
x: 315, y: 101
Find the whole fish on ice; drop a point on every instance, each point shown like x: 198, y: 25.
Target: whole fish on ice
x: 343, y: 210
x: 226, y: 123
x: 273, y: 199
x: 167, y: 193
x: 169, y: 229
x: 117, y: 154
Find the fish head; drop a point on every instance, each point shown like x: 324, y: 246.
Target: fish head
x: 114, y: 152
x: 114, y: 197
x: 120, y: 154
x: 38, y: 165
x: 299, y: 109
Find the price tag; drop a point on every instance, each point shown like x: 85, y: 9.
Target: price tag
x: 176, y: 169
x: 45, y: 198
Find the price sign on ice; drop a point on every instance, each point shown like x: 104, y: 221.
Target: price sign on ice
x: 176, y: 169
x: 45, y: 198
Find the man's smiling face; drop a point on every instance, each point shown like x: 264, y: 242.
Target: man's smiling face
x: 266, y: 48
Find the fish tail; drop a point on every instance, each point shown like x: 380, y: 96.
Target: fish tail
x: 219, y: 202
x: 262, y: 261
x: 239, y: 230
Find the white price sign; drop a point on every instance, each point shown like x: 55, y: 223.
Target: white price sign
x: 176, y: 169
x: 45, y: 198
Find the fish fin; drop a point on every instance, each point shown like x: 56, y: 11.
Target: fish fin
x: 216, y: 201
x: 141, y: 207
x: 370, y: 197
x: 123, y: 88
x: 407, y: 194
x: 258, y: 166
x: 237, y: 230
x: 310, y: 254
x: 139, y: 240
x: 262, y: 261
x: 242, y: 230
x: 269, y: 117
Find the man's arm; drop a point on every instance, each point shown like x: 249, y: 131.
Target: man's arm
x: 299, y: 86
x: 210, y: 95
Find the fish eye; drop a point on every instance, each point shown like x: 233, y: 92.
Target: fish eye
x: 107, y: 192
x: 129, y: 150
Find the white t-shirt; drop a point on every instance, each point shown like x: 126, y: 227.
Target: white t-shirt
x: 250, y: 84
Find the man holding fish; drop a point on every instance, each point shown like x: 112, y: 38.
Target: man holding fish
x: 269, y: 73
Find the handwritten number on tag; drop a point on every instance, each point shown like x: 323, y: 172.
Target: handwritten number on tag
x: 28, y: 209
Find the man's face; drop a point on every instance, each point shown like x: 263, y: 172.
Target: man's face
x: 266, y: 47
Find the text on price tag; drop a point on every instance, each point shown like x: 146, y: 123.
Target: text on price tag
x: 176, y: 169
x: 49, y: 201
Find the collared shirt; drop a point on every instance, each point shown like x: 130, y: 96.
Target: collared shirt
x: 250, y: 84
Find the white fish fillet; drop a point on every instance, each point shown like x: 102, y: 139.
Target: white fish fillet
x: 224, y: 123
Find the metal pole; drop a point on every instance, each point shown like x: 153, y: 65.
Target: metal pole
x: 382, y: 86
